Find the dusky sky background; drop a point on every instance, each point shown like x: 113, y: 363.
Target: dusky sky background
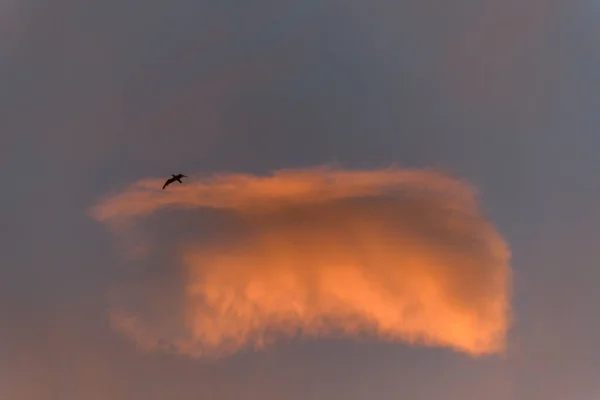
x: 97, y: 96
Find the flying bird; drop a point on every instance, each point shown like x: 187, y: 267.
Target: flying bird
x: 173, y: 179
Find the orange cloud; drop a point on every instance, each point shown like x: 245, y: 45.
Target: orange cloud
x: 400, y: 255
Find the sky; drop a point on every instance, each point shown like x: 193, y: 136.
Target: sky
x: 386, y: 200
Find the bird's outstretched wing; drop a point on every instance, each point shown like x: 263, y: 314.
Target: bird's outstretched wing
x: 168, y: 182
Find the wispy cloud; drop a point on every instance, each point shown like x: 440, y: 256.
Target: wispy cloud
x: 400, y: 255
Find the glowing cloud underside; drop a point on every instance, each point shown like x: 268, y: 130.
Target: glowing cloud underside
x: 400, y: 255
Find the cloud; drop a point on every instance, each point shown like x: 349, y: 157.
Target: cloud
x: 394, y: 254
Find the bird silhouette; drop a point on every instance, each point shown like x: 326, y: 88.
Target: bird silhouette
x: 173, y: 179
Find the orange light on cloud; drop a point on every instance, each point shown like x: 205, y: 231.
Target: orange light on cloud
x: 399, y: 255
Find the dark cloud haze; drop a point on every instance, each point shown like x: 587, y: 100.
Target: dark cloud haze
x: 98, y: 97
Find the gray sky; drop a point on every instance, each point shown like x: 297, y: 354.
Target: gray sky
x: 97, y: 96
